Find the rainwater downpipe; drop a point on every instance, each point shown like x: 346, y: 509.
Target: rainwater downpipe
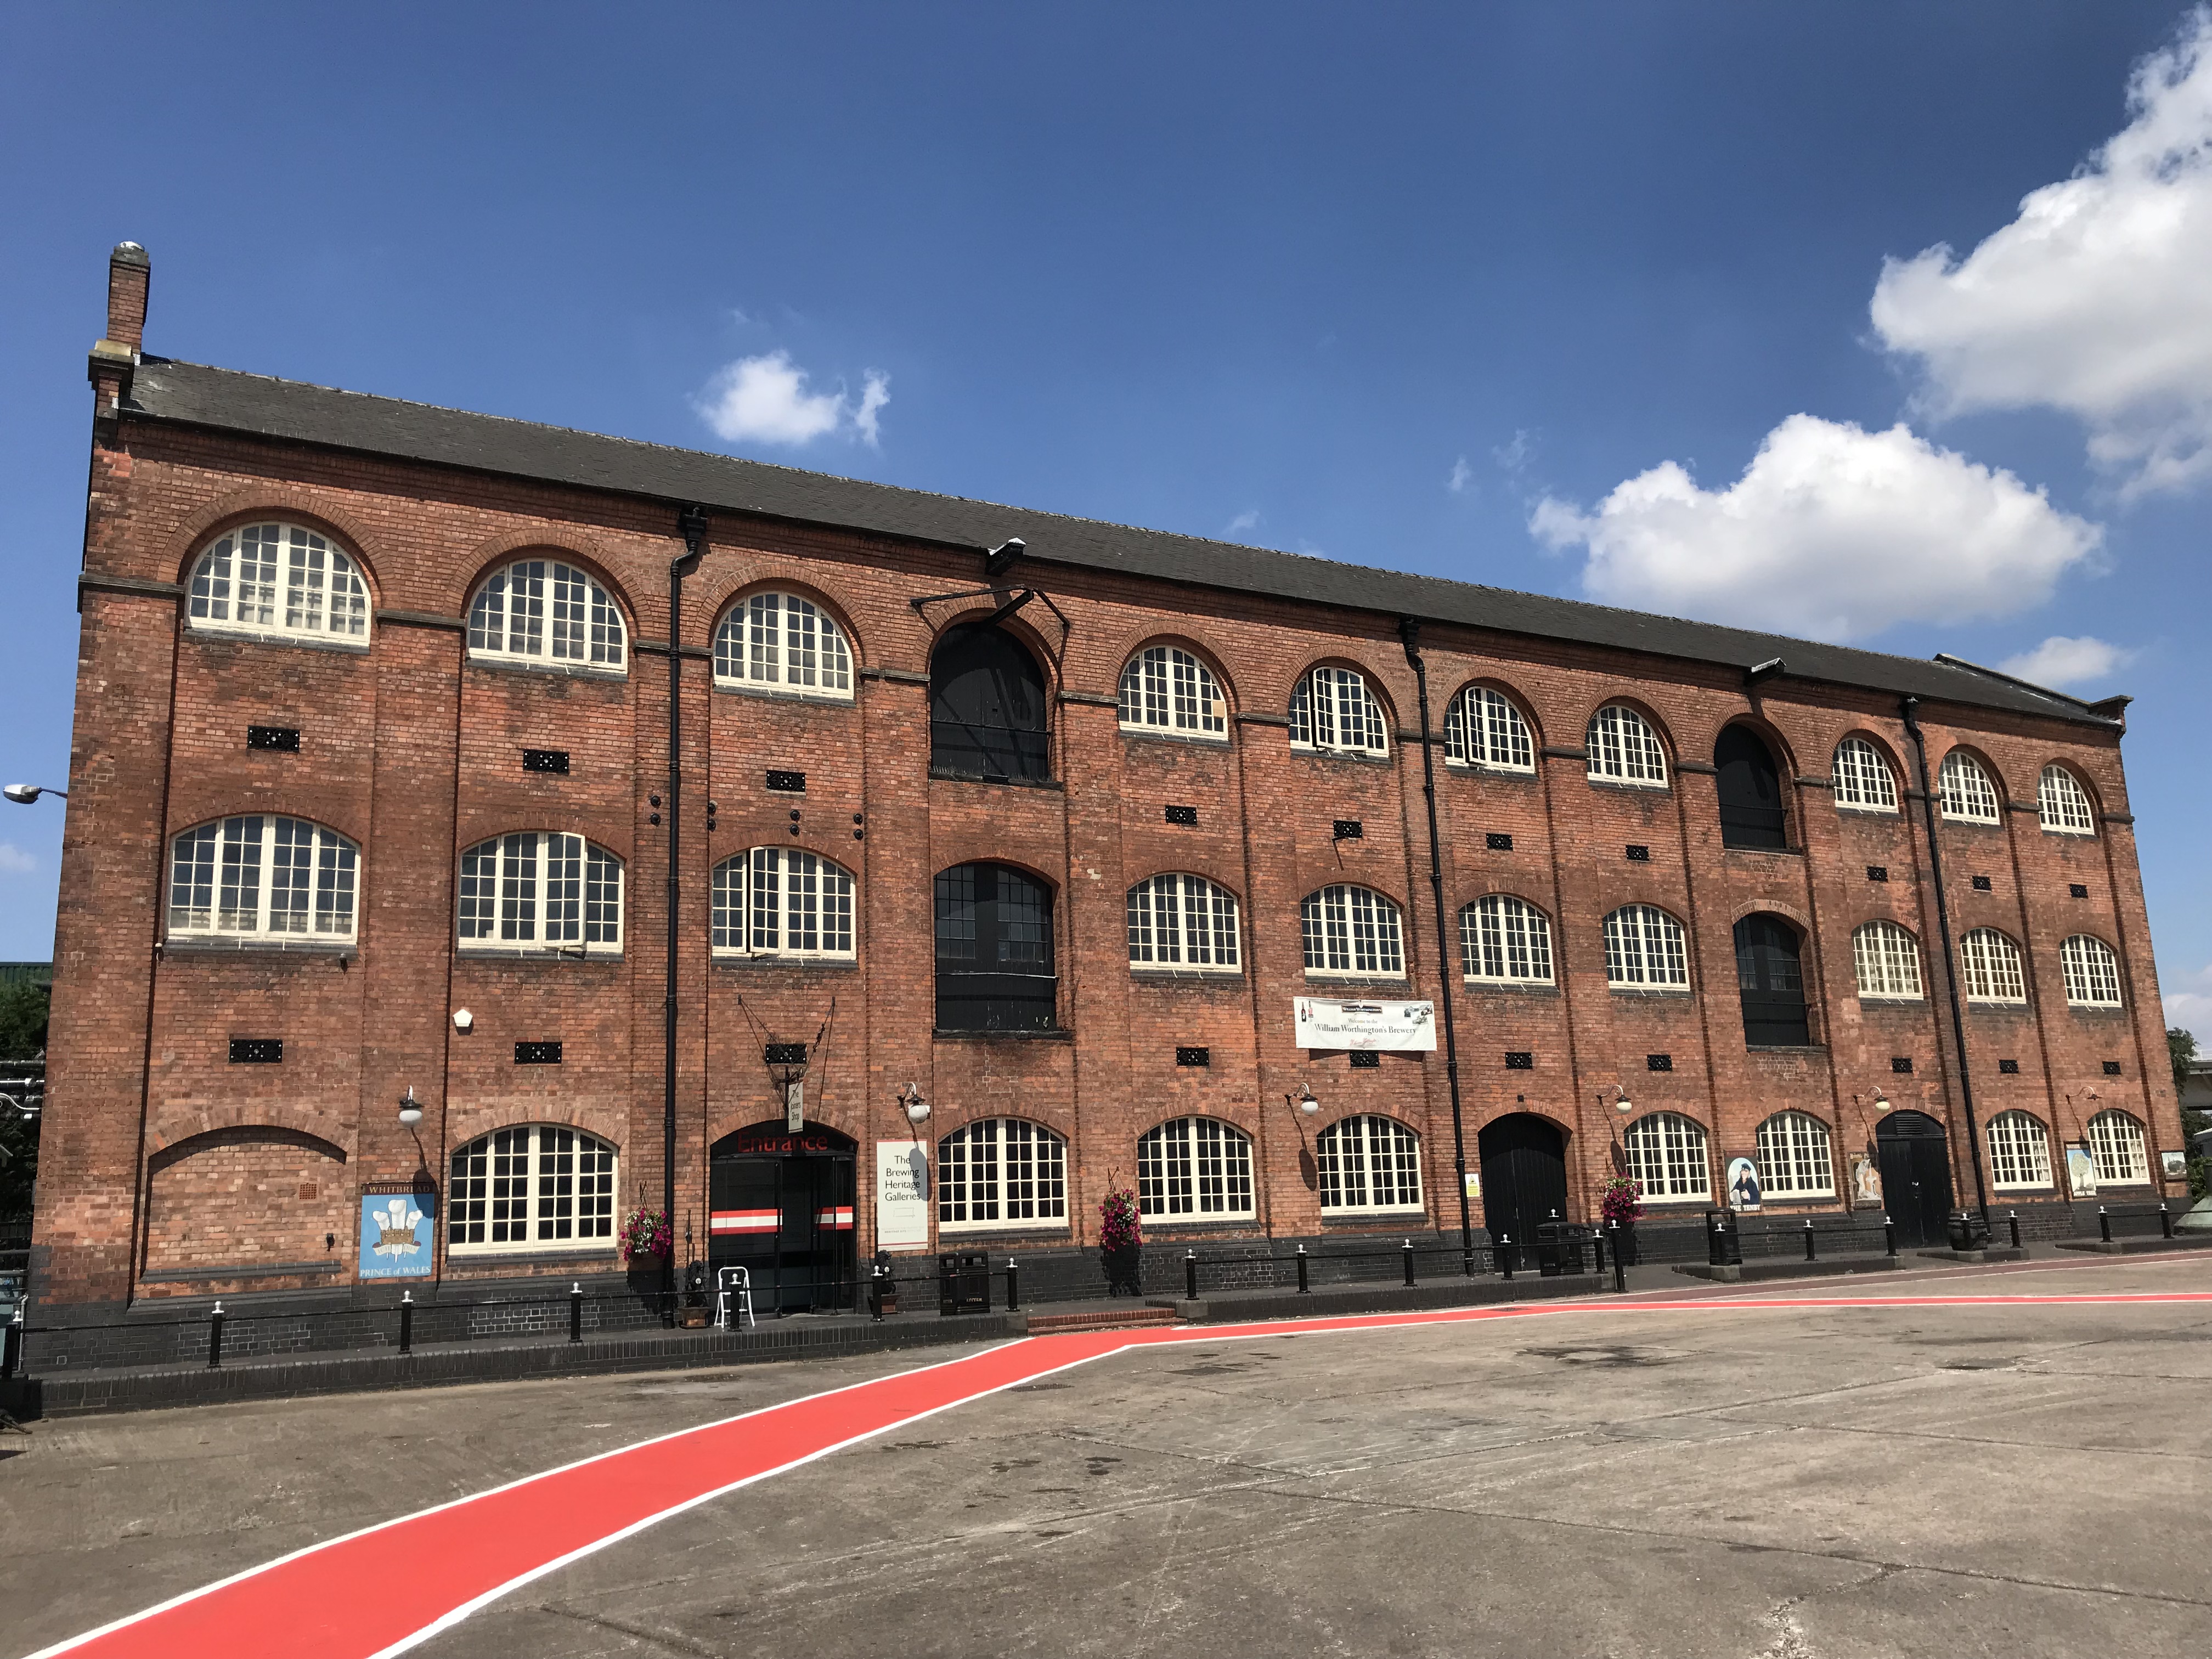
x: 692, y: 523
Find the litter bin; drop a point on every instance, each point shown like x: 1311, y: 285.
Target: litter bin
x: 1723, y: 1244
x: 1558, y: 1248
x: 1968, y: 1232
x: 964, y: 1282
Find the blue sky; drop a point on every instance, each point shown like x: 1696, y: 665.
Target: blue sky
x: 1631, y: 301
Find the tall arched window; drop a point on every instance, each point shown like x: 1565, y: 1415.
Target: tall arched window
x: 1332, y: 711
x: 1483, y: 728
x: 1968, y: 796
x: 784, y: 642
x: 1369, y: 1163
x: 987, y: 716
x: 1863, y: 777
x: 542, y: 890
x: 781, y: 902
x: 1770, y: 980
x: 1644, y: 948
x: 1751, y: 809
x: 2116, y: 1141
x: 2062, y: 804
x: 1505, y: 939
x: 2093, y: 972
x: 1001, y: 1172
x: 1352, y: 930
x: 1197, y: 1166
x: 1666, y: 1154
x: 262, y: 878
x: 995, y: 951
x: 536, y: 1187
x: 1887, y: 960
x: 1165, y: 689
x: 278, y: 579
x: 1182, y: 922
x: 540, y: 610
x: 2020, y: 1152
x: 1989, y: 962
x: 1794, y: 1160
x: 1624, y: 749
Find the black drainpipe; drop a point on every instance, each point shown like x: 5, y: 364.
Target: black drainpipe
x: 1409, y: 630
x: 692, y: 523
x: 1950, y: 955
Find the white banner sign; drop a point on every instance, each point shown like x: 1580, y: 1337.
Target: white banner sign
x: 902, y: 1196
x: 1323, y: 1024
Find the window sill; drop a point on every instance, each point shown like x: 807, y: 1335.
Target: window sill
x: 1058, y: 1034
x: 1659, y: 991
x: 2071, y: 834
x: 1160, y: 1226
x: 1786, y: 1048
x: 743, y: 960
x: 1534, y: 988
x: 1357, y: 757
x: 1866, y: 1001
x: 190, y: 945
x: 1853, y: 810
x: 538, y: 953
x: 1767, y: 852
x: 1628, y: 785
x: 2097, y: 1009
x: 2011, y: 1010
x: 1197, y: 740
x: 1379, y: 1220
x: 593, y: 1255
x: 244, y: 1270
x: 1318, y: 984
x: 271, y: 637
x: 784, y: 694
x: 575, y: 670
x: 962, y: 1235
x: 1483, y: 769
x: 1216, y: 978
x: 943, y: 774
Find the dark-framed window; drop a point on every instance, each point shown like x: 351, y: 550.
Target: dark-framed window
x: 1772, y: 981
x: 995, y: 954
x: 987, y: 706
x: 1752, y: 810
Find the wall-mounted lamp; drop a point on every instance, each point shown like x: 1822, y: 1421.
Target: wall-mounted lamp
x: 917, y: 1108
x: 463, y: 1019
x: 410, y: 1113
x: 1621, y: 1102
x: 1881, y: 1100
x: 1303, y: 1100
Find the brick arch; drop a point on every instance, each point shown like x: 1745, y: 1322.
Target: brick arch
x: 1233, y: 1113
x: 565, y: 823
x: 1776, y: 741
x: 759, y: 580
x: 581, y: 551
x: 954, y: 613
x: 588, y: 1120
x: 1759, y: 907
x: 945, y: 1120
x: 1404, y: 904
x: 275, y: 499
x: 1893, y: 757
x: 1184, y: 636
x: 986, y: 851
x: 246, y: 1195
x: 2080, y: 774
x: 177, y: 1131
x: 1479, y: 1119
x: 1661, y: 727
x: 1995, y: 773
x: 1378, y: 686
x: 274, y: 804
x: 1520, y: 700
x: 805, y: 842
x: 1493, y: 890
x: 1190, y: 866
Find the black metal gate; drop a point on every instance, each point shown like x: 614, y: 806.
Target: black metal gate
x: 1524, y: 1176
x: 1915, y: 1176
x: 782, y: 1208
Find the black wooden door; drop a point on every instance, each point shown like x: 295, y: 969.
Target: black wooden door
x: 1915, y: 1176
x: 1750, y: 789
x: 987, y: 706
x: 1772, y: 982
x: 1524, y: 1176
x: 994, y: 954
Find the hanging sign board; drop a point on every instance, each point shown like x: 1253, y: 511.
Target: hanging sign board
x: 2080, y: 1170
x: 794, y: 1107
x: 1743, y: 1194
x: 902, y: 1196
x: 397, y: 1230
x: 1323, y: 1023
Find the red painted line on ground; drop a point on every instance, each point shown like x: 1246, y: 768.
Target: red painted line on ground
x: 382, y: 1590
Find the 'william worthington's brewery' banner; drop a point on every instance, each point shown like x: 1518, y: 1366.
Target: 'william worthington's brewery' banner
x: 1326, y: 1024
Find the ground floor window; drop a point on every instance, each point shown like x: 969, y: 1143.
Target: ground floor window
x: 2020, y: 1152
x: 1001, y: 1172
x: 1793, y: 1156
x: 1667, y: 1156
x: 1369, y: 1163
x: 2116, y: 1141
x: 533, y: 1186
x: 1195, y: 1167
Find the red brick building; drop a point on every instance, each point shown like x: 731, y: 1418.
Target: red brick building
x: 1054, y: 820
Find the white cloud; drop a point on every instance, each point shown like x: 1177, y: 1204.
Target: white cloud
x: 2189, y: 1005
x: 15, y: 861
x: 1512, y: 457
x: 1247, y: 519
x: 1832, y: 531
x: 765, y: 399
x: 1461, y: 476
x: 2060, y: 661
x: 2094, y: 300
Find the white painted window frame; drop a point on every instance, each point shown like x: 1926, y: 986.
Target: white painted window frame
x: 780, y: 641
x: 1194, y: 1168
x: 1666, y: 1157
x: 1352, y: 932
x: 1179, y: 921
x: 263, y: 877
x: 1483, y: 731
x: 1504, y: 940
x: 2116, y: 1141
x: 279, y: 581
x: 782, y: 902
x: 1796, y: 1157
x: 1332, y: 711
x: 2092, y: 970
x: 1886, y: 958
x: 543, y: 612
x: 1863, y: 780
x: 1991, y: 968
x: 1623, y: 750
x: 2062, y: 804
x: 2020, y: 1152
x: 541, y: 892
x: 1002, y: 1175
x: 541, y: 1180
x: 1167, y: 689
x: 1363, y: 1157
x: 1646, y: 947
x: 1966, y: 792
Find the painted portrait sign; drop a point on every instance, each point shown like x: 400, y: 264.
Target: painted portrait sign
x: 399, y: 1232
x: 1743, y: 1194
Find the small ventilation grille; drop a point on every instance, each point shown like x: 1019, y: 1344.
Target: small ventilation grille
x: 1182, y: 815
x: 786, y: 1054
x: 285, y: 739
x: 256, y: 1051
x: 2077, y: 889
x: 787, y: 783
x: 2111, y: 1068
x: 546, y: 760
x: 1366, y: 1060
x: 1520, y: 1059
x: 1193, y: 1056
x: 1639, y: 854
x: 1877, y: 872
x: 537, y: 1053
x: 1658, y: 1062
x: 1902, y: 1065
x: 1349, y: 830
x: 1498, y: 841
x: 1981, y: 884
x: 2009, y: 1067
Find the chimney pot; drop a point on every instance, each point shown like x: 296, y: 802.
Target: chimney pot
x: 130, y: 273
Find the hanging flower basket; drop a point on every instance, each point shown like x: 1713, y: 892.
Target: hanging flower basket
x: 647, y: 1236
x: 1620, y: 1206
x: 1121, y: 1242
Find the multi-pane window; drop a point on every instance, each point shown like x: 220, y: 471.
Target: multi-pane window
x: 543, y: 610
x: 2093, y: 972
x: 1667, y: 1156
x: 779, y: 900
x: 1863, y: 777
x: 780, y: 639
x: 1002, y: 1172
x: 995, y: 951
x: 542, y: 890
x: 1624, y: 749
x: 1989, y: 964
x: 1197, y: 1167
x: 1504, y: 938
x: 1181, y: 922
x: 278, y: 579
x: 1887, y: 959
x: 537, y: 1187
x: 1167, y: 689
x: 1483, y: 728
x: 2062, y: 804
x: 263, y: 876
x: 1332, y: 711
x: 1372, y: 1164
x: 1352, y: 930
x: 1968, y: 796
x: 1793, y: 1156
x: 1643, y: 947
x: 2116, y: 1142
x: 2020, y: 1152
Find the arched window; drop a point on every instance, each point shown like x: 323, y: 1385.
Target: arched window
x: 1483, y: 728
x: 1794, y: 1160
x: 1989, y: 964
x: 2093, y: 972
x: 987, y: 706
x: 262, y: 878
x: 781, y: 641
x: 1770, y: 980
x: 1352, y: 930
x: 536, y: 1187
x: 1863, y: 777
x: 1001, y: 1172
x: 995, y: 951
x: 1369, y: 1163
x: 2116, y: 1141
x: 542, y: 890
x: 1332, y: 711
x: 1968, y: 796
x: 1643, y: 947
x: 2020, y: 1152
x: 540, y: 610
x: 1666, y: 1155
x: 2062, y: 804
x: 1197, y: 1167
x: 1505, y: 938
x: 1624, y: 749
x: 278, y: 579
x: 781, y: 902
x: 1887, y: 959
x: 1749, y: 786
x: 1167, y: 689
x: 1182, y: 922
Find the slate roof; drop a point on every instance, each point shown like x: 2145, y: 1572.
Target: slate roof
x: 225, y: 399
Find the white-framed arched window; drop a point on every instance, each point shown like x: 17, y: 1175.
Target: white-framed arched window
x: 1643, y: 947
x: 2020, y: 1152
x: 1968, y: 796
x: 542, y: 890
x: 1794, y: 1159
x: 1197, y: 1166
x: 781, y: 902
x: 1624, y: 749
x: 2093, y: 972
x: 536, y: 1187
x: 1182, y: 922
x: 1369, y: 1166
x: 1001, y: 1172
x: 1166, y: 688
x: 1332, y: 713
x: 541, y: 611
x: 1352, y: 930
x: 1887, y: 960
x: 1483, y: 728
x: 1506, y: 940
x: 781, y: 641
x: 262, y: 877
x: 1863, y: 781
x: 2062, y: 804
x: 1666, y: 1155
x: 1989, y: 964
x: 2116, y: 1141
x: 281, y: 581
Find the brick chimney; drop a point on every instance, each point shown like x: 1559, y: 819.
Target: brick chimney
x: 115, y: 354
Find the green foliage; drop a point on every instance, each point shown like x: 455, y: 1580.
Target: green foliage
x: 2180, y: 1049
x: 22, y: 1036
x: 22, y: 1020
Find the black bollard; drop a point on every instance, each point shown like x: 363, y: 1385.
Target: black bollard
x: 1808, y: 1239
x: 575, y: 1312
x: 1190, y: 1274
x: 2103, y: 1224
x: 1505, y: 1256
x: 2012, y: 1220
x: 1597, y: 1247
x: 2165, y: 1220
x: 214, y: 1336
x: 1620, y: 1267
x: 1888, y: 1236
x: 1304, y: 1288
x: 1409, y: 1262
x: 1013, y: 1284
x: 11, y: 1344
x: 407, y: 1322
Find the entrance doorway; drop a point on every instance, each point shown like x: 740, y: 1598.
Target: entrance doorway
x: 1915, y: 1176
x: 1524, y: 1175
x: 781, y: 1207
